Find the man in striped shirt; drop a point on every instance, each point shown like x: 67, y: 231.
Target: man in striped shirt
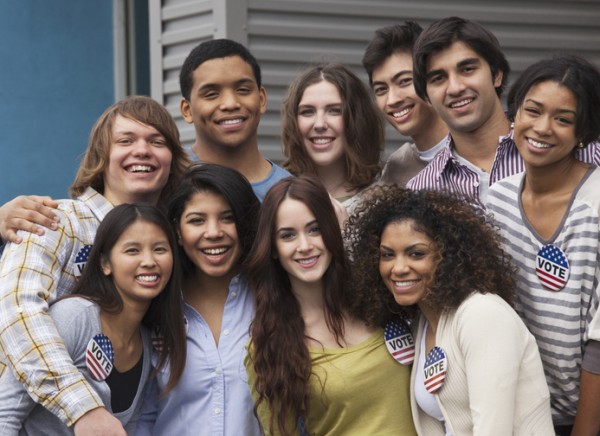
x: 461, y: 70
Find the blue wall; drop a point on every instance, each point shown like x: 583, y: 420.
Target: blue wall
x: 56, y: 78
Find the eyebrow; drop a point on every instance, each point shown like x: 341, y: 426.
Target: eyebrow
x: 460, y: 64
x: 243, y: 81
x: 560, y: 110
x: 291, y: 228
x: 468, y: 61
x: 394, y: 78
x: 131, y: 132
x: 410, y: 247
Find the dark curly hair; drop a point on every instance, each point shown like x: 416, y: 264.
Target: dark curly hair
x: 469, y: 252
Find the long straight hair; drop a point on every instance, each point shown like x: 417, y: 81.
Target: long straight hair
x: 165, y: 314
x: 363, y: 125
x: 279, y: 353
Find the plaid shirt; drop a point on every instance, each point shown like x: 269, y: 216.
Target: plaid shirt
x: 33, y: 274
x: 446, y: 172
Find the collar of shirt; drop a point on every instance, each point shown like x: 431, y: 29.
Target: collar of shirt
x: 97, y: 203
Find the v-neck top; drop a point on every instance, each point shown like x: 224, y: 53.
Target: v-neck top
x: 563, y: 322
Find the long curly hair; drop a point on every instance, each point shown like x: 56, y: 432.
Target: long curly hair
x: 278, y: 350
x: 469, y: 253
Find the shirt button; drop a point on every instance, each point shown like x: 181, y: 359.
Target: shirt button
x: 226, y: 332
x: 476, y: 184
x: 19, y: 309
x: 217, y: 370
x: 217, y: 411
x: 234, y: 294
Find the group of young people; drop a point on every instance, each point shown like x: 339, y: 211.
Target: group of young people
x: 223, y: 297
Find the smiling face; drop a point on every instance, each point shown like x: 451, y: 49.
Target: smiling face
x: 209, y: 236
x: 299, y: 244
x: 140, y: 263
x: 321, y: 123
x: 139, y: 163
x: 461, y: 88
x: 406, y: 262
x: 545, y: 124
x: 225, y: 104
x: 392, y: 84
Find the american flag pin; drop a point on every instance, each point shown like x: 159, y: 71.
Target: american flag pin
x: 81, y: 259
x: 552, y: 267
x: 99, y: 357
x: 399, y: 342
x: 435, y: 369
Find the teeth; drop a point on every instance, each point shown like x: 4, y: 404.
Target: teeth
x: 405, y: 283
x: 461, y: 103
x: 401, y: 113
x: 321, y: 141
x: 215, y: 251
x: 148, y: 279
x: 306, y: 261
x: 140, y: 168
x: 537, y: 144
x: 229, y: 122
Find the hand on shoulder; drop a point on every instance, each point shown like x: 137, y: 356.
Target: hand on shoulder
x: 29, y: 213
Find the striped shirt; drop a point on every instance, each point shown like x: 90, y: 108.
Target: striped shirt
x: 446, y: 172
x: 33, y: 274
x: 562, y: 321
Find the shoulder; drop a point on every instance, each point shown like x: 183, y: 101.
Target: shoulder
x: 277, y: 171
x: 429, y: 175
x: 74, y: 312
x: 505, y: 190
x: 485, y: 311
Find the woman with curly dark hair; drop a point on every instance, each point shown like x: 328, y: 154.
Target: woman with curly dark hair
x: 425, y: 254
x: 313, y: 367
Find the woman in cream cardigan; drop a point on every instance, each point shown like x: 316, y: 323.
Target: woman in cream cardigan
x: 435, y: 260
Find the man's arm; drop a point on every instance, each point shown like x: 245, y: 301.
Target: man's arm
x: 31, y: 275
x: 27, y: 213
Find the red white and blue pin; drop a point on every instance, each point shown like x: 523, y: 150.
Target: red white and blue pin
x: 435, y: 369
x: 99, y: 357
x: 399, y: 342
x: 552, y: 267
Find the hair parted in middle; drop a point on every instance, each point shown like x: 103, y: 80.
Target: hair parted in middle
x: 363, y: 125
x: 96, y: 158
x: 469, y: 256
x: 278, y: 350
x: 223, y: 181
x: 442, y: 34
x: 165, y: 314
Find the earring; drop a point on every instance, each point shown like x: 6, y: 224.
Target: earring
x: 512, y: 125
x: 581, y: 145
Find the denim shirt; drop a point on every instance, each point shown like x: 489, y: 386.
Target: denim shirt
x: 212, y: 396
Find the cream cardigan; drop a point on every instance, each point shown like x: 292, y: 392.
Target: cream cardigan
x: 495, y: 383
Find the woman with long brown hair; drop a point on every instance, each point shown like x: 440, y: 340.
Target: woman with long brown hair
x: 313, y: 367
x: 332, y: 129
